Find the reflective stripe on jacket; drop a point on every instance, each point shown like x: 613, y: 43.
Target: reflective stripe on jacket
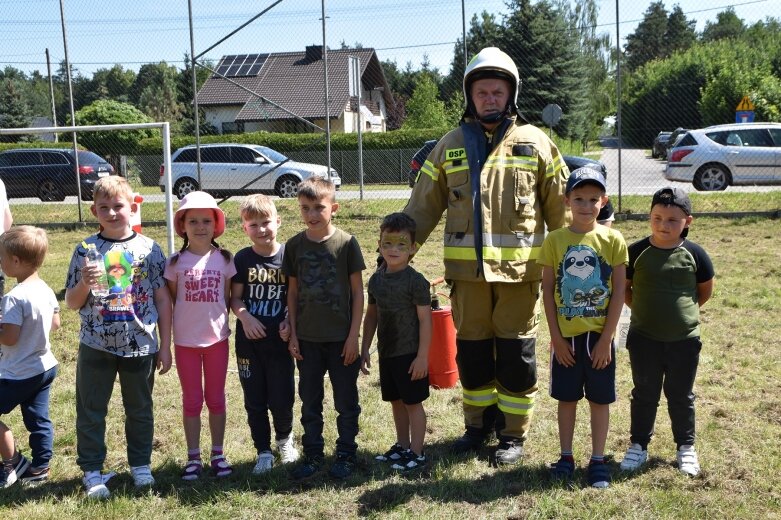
x: 522, y: 189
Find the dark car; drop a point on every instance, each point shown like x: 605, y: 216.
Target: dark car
x: 677, y: 134
x: 417, y: 161
x: 659, y: 148
x: 50, y: 173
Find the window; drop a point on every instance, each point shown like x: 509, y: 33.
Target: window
x: 188, y: 155
x: 215, y: 154
x: 755, y: 137
x: 53, y: 158
x: 233, y: 127
x: 242, y: 155
x: 775, y: 133
x: 25, y: 159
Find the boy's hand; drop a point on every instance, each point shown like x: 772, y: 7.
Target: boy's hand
x: 350, y: 350
x: 294, y: 349
x: 366, y: 362
x: 284, y: 330
x: 602, y: 354
x: 164, y: 360
x: 253, y: 328
x: 563, y: 352
x: 418, y: 368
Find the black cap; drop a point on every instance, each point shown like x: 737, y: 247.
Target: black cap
x: 673, y: 197
x: 586, y: 174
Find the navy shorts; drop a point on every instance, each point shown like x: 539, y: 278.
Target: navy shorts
x: 395, y: 382
x: 569, y: 383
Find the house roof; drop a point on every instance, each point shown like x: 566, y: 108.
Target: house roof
x: 294, y: 81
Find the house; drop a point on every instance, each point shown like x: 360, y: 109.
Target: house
x: 294, y: 81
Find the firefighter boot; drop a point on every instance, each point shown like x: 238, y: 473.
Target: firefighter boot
x: 510, y: 451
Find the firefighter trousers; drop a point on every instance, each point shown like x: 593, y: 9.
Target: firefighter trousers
x: 496, y: 327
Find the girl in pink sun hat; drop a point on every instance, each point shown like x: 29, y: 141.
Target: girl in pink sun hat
x: 198, y: 277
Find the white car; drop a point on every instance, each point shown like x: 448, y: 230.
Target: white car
x: 240, y: 169
x: 718, y: 156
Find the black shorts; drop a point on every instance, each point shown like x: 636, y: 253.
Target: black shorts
x: 395, y: 382
x: 568, y: 383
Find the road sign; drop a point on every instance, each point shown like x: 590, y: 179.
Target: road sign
x: 744, y: 116
x: 551, y: 114
x: 745, y: 105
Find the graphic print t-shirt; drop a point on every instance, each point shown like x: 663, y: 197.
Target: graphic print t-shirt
x: 265, y: 289
x: 124, y: 322
x: 583, y: 266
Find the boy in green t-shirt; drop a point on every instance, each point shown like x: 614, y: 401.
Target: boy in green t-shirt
x: 584, y: 266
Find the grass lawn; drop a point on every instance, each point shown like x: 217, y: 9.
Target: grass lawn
x: 738, y: 419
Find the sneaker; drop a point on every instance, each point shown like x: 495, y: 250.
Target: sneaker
x: 687, y: 461
x: 264, y: 464
x: 635, y: 457
x: 410, y: 461
x: 287, y: 450
x: 192, y: 470
x: 598, y: 475
x: 142, y: 476
x: 343, y: 467
x: 509, y: 452
x: 95, y: 484
x: 307, y: 468
x: 563, y: 469
x: 33, y: 477
x: 467, y: 442
x: 11, y: 471
x: 220, y: 466
x: 394, y: 454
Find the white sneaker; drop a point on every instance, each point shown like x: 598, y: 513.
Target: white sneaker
x: 687, y: 461
x: 634, y: 459
x: 142, y: 476
x: 287, y: 450
x: 264, y: 464
x: 95, y: 484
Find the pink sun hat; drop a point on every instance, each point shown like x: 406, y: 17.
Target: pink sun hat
x: 199, y: 200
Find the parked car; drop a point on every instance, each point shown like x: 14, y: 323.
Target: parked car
x: 237, y: 169
x: 50, y: 173
x: 674, y: 137
x: 718, y: 156
x: 659, y: 147
x: 418, y: 159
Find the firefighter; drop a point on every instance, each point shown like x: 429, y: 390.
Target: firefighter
x: 501, y: 181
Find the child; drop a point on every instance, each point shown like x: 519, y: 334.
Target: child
x: 584, y: 265
x: 27, y: 365
x: 399, y: 301
x: 118, y: 336
x: 325, y: 302
x: 259, y: 300
x: 669, y: 278
x: 198, y: 277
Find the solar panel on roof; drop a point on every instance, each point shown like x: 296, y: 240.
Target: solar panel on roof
x: 241, y: 65
x: 237, y: 63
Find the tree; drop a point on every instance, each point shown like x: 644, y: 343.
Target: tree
x: 727, y: 25
x: 108, y: 112
x: 648, y: 40
x: 680, y: 34
x: 483, y: 32
x: 14, y: 112
x: 185, y: 97
x: 424, y: 109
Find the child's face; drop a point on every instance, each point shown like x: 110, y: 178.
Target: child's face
x: 585, y: 202
x: 317, y: 214
x: 9, y: 263
x: 667, y: 224
x: 113, y: 213
x: 262, y: 230
x: 199, y: 225
x: 396, y: 247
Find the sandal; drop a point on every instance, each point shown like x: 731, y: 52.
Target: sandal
x: 562, y: 470
x: 192, y: 470
x: 598, y: 475
x: 220, y: 466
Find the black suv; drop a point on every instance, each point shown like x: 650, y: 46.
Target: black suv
x: 50, y: 173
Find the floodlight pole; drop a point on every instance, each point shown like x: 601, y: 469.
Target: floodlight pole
x: 73, y: 113
x: 325, y: 88
x: 618, y: 103
x: 196, y: 115
x: 51, y: 93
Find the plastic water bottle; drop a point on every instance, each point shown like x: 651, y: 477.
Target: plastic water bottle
x: 100, y: 287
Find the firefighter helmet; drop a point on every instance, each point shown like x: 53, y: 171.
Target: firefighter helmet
x: 491, y: 62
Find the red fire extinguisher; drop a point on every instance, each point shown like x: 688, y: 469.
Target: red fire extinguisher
x: 442, y: 368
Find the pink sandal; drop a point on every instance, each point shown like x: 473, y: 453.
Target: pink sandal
x: 220, y: 466
x: 192, y: 470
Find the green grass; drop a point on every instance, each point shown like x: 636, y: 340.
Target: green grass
x: 738, y: 419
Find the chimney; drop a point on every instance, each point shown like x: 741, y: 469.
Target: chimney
x: 314, y: 52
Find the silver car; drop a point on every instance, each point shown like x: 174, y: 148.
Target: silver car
x: 718, y: 156
x: 239, y: 169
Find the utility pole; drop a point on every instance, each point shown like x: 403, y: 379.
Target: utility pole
x: 51, y: 94
x: 73, y: 113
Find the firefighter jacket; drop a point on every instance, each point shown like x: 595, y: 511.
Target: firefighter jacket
x: 520, y: 190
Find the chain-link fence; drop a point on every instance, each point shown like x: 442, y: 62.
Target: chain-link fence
x: 270, y: 77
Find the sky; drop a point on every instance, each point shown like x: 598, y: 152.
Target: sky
x: 104, y: 32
